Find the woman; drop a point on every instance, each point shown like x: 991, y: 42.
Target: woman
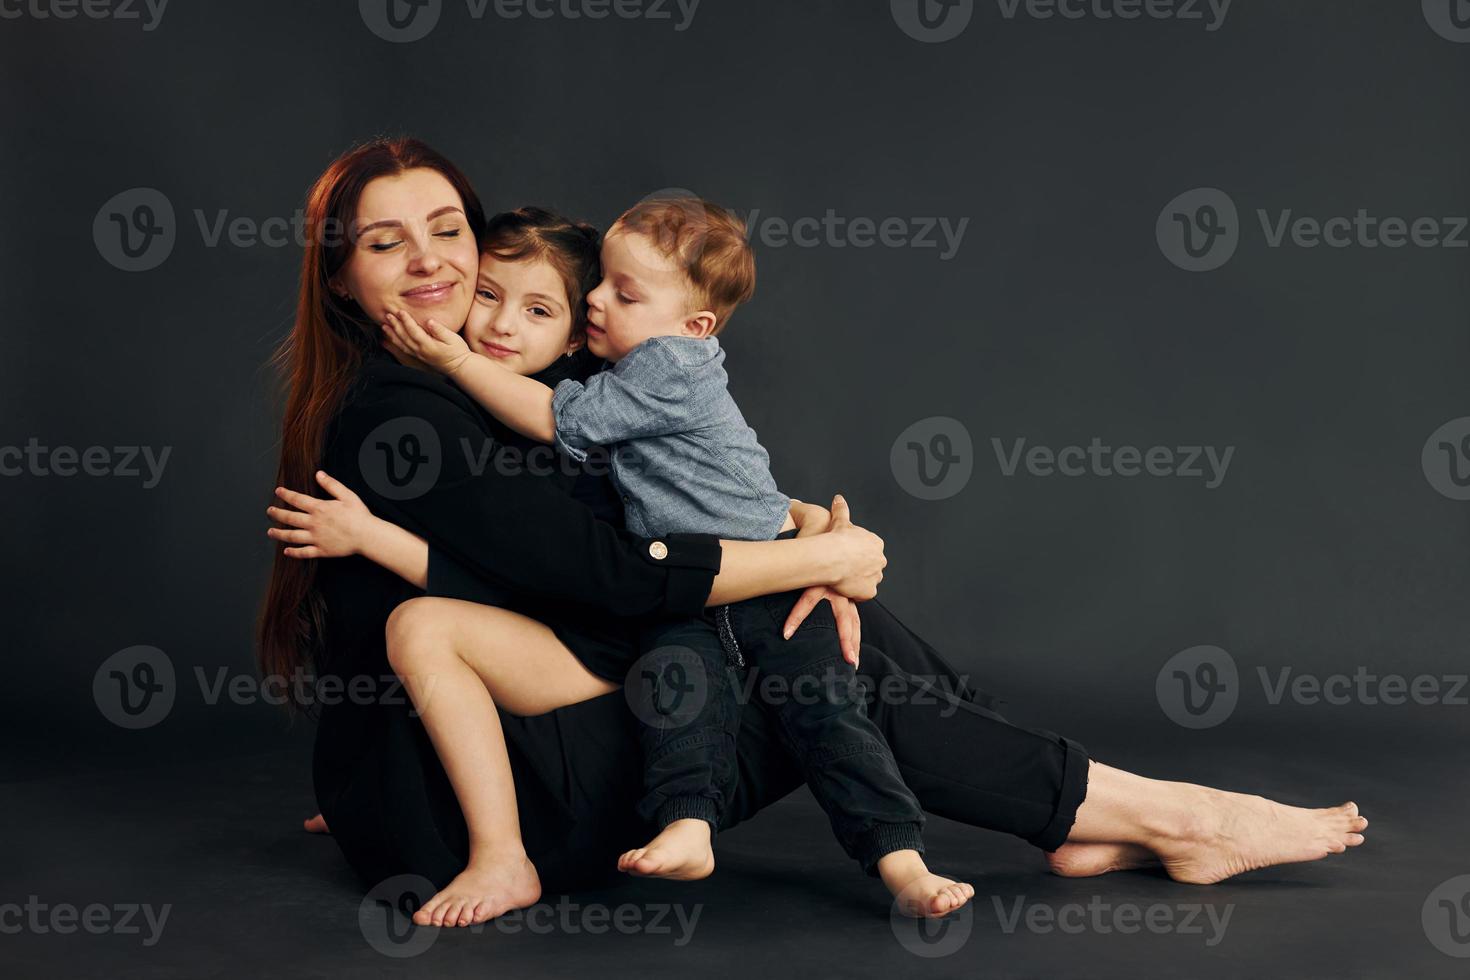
x: 516, y: 539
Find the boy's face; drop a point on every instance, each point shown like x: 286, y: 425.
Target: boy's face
x: 643, y: 294
x: 520, y: 318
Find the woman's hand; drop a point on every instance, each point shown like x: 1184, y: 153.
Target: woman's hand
x: 317, y: 528
x: 859, y: 555
x: 436, y: 347
x: 844, y: 610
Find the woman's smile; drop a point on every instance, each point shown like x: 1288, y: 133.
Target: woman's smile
x: 432, y: 293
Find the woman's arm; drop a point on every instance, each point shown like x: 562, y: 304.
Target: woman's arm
x: 517, y: 531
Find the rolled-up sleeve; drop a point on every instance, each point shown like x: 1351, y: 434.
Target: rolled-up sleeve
x: 646, y: 395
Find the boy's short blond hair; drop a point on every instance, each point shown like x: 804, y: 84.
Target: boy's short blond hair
x: 707, y: 241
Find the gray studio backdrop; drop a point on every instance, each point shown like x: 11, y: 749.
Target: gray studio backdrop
x: 1137, y: 329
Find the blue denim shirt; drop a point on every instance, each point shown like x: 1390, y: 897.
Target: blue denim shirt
x: 685, y: 462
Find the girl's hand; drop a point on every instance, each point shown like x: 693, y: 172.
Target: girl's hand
x: 860, y: 560
x: 318, y: 528
x: 437, y: 347
x: 844, y: 610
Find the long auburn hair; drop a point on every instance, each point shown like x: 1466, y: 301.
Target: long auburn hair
x: 319, y: 361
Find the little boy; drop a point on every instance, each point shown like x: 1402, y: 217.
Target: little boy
x: 684, y: 460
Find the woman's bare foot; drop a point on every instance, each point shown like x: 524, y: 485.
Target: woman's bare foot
x: 489, y: 887
x: 1091, y: 860
x: 681, y: 851
x: 917, y: 891
x: 316, y: 825
x: 1227, y: 834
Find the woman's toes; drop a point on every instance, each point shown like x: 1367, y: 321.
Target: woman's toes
x: 1353, y: 840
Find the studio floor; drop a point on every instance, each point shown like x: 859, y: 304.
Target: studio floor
x: 215, y: 845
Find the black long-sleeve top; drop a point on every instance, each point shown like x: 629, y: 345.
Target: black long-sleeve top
x: 504, y: 535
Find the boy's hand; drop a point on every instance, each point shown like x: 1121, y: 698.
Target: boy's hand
x: 438, y: 347
x: 318, y: 528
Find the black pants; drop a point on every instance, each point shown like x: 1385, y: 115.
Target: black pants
x: 397, y: 814
x: 690, y: 689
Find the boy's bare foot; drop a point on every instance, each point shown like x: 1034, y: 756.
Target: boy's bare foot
x: 316, y: 825
x: 681, y: 851
x: 916, y: 890
x: 1091, y: 860
x: 1231, y: 833
x: 489, y: 887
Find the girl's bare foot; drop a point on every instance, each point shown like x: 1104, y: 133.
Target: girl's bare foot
x: 916, y: 890
x: 1091, y: 860
x: 490, y: 886
x: 681, y: 851
x: 316, y: 825
x: 1227, y: 834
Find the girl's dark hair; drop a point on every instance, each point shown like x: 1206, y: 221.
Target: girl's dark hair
x: 572, y: 248
x: 320, y: 359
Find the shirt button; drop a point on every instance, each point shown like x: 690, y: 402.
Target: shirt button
x: 658, y: 550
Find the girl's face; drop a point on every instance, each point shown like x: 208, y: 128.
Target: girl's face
x: 521, y: 317
x: 412, y: 249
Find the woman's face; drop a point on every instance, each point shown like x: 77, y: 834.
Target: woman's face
x: 521, y: 317
x: 412, y: 249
